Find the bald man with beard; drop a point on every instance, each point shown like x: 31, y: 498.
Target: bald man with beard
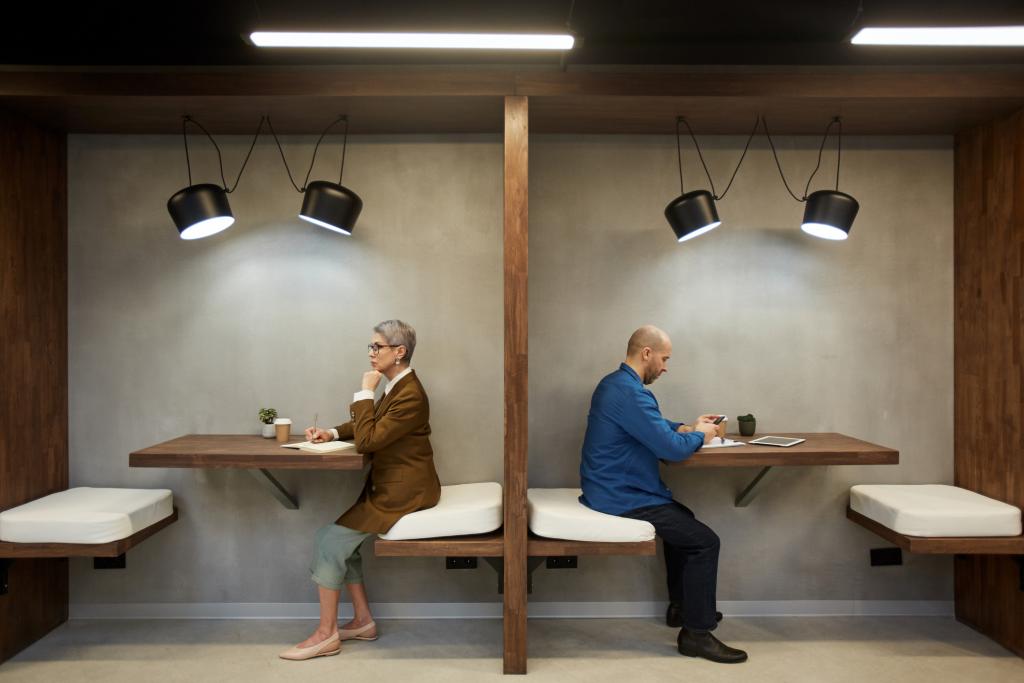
x: 626, y: 437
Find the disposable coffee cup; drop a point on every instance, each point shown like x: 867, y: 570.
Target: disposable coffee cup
x: 283, y: 429
x: 721, y: 429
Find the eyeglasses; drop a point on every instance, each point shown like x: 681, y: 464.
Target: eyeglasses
x: 375, y: 348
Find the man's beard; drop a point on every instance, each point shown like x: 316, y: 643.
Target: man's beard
x: 650, y: 376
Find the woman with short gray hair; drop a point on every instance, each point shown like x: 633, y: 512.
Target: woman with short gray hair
x: 395, y: 433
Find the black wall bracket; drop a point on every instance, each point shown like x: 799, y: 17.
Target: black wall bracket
x: 884, y: 557
x: 119, y: 562
x: 5, y: 564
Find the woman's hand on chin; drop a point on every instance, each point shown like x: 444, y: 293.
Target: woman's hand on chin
x: 370, y: 380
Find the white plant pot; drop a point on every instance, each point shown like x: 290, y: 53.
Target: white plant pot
x: 268, y: 431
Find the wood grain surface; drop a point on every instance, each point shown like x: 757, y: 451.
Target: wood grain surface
x: 240, y: 451
x: 826, y: 448
x: 33, y: 361
x: 988, y: 343
x: 516, y: 414
x: 937, y: 100
x: 480, y: 545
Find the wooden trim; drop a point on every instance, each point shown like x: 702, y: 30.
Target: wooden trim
x: 516, y: 415
x: 935, y: 545
x: 963, y: 83
x: 480, y: 545
x: 828, y: 448
x: 33, y: 360
x: 111, y: 549
x: 538, y: 546
x: 244, y: 451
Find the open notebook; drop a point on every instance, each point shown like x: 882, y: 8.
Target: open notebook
x: 325, y: 447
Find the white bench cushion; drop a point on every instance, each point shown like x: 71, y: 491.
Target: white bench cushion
x: 935, y: 510
x: 462, y: 510
x: 85, y: 515
x: 558, y: 513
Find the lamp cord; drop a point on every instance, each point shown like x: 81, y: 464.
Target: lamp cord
x: 344, y: 148
x: 679, y: 150
x: 822, y: 149
x: 740, y: 163
x: 188, y: 162
x: 775, y: 154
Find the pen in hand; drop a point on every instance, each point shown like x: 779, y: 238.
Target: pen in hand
x: 315, y: 437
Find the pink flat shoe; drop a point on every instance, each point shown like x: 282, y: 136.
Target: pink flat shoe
x: 325, y: 648
x: 357, y: 633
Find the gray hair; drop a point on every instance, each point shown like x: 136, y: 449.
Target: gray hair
x: 399, y: 334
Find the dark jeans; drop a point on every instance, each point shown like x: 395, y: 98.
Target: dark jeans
x: 691, y: 560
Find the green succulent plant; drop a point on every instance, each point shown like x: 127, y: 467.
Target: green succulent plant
x: 267, y: 415
x: 749, y: 417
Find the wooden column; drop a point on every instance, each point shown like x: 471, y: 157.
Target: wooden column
x: 33, y: 362
x: 988, y: 363
x: 515, y: 230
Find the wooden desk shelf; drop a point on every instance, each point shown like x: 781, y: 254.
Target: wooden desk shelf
x: 244, y: 451
x: 827, y: 448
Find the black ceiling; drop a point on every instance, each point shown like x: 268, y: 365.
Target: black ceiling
x: 793, y: 32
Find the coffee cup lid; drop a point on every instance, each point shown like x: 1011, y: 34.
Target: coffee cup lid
x: 282, y: 421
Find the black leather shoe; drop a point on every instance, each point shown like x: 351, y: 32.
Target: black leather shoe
x: 707, y: 646
x: 674, y: 615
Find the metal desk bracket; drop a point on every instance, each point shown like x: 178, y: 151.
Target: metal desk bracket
x: 748, y: 494
x: 278, y: 491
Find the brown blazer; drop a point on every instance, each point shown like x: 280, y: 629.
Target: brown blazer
x: 395, y: 433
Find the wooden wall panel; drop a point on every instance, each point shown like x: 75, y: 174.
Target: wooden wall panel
x: 988, y: 367
x: 33, y: 361
x: 515, y: 231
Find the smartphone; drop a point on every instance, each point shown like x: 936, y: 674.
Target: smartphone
x: 718, y: 420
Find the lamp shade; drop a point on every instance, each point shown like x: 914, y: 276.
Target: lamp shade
x: 692, y: 214
x: 829, y: 214
x: 200, y: 211
x: 331, y: 206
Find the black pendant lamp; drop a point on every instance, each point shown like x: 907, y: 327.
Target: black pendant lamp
x: 828, y: 214
x: 328, y: 205
x: 202, y: 210
x: 694, y: 213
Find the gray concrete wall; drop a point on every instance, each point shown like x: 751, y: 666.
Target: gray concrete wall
x: 853, y: 337
x: 171, y: 337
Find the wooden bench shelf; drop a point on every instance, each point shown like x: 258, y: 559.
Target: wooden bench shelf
x: 492, y: 545
x: 480, y: 545
x: 538, y: 546
x: 111, y: 549
x: 927, y: 545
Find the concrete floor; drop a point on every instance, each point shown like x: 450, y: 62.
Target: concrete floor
x: 873, y: 649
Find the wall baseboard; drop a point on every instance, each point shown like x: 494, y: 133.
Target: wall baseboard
x: 492, y: 610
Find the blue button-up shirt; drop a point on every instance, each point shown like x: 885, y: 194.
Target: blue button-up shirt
x: 626, y: 437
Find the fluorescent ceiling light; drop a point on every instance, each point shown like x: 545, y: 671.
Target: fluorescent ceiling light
x: 472, y: 41
x: 979, y: 36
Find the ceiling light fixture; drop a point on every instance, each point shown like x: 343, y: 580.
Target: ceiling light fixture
x: 694, y: 213
x: 442, y: 41
x: 326, y: 204
x: 828, y: 214
x: 202, y: 210
x: 942, y: 36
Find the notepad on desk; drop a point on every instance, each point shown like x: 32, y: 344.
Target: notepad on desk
x: 324, y: 447
x: 716, y: 442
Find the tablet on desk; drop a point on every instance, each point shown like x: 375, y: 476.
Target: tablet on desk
x: 783, y: 441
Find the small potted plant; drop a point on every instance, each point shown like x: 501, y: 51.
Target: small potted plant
x: 267, y: 417
x: 747, y: 424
